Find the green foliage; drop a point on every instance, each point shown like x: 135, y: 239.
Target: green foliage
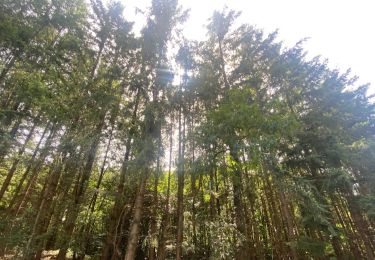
x: 367, y: 204
x: 272, y: 154
x: 314, y: 248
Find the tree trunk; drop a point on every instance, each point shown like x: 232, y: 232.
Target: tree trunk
x: 289, y: 224
x: 44, y: 211
x: 180, y: 188
x: 15, y: 196
x: 7, y: 68
x: 354, y: 249
x: 6, y: 144
x: 137, y: 217
x: 165, y: 218
x: 11, y: 171
x: 115, y: 213
x: 241, y: 250
x: 153, y: 224
x: 212, y: 195
x: 80, y: 189
x: 86, y: 229
x: 123, y: 226
x: 101, y: 175
x: 361, y: 226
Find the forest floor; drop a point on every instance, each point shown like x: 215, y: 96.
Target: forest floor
x: 46, y: 255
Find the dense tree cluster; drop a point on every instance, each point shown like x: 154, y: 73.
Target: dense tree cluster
x: 119, y: 145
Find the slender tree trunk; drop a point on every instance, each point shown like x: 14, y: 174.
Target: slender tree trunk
x: 266, y: 231
x: 10, y: 210
x: 354, y: 249
x: 7, y: 68
x: 180, y: 188
x: 361, y: 226
x: 153, y: 224
x: 289, y: 223
x: 193, y: 208
x: 12, y: 170
x: 15, y: 196
x: 44, y: 211
x: 217, y: 192
x: 115, y: 213
x: 86, y: 229
x: 30, y: 186
x: 279, y: 233
x: 241, y: 250
x: 23, y: 199
x: 137, y: 217
x: 7, y: 144
x: 256, y: 248
x: 122, y: 228
x: 61, y: 203
x: 152, y: 133
x: 212, y: 195
x: 101, y: 175
x: 81, y: 185
x: 165, y: 219
x: 80, y: 189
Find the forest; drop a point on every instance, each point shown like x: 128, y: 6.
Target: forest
x: 119, y: 144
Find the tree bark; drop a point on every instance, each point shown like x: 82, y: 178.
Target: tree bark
x: 153, y: 224
x: 289, y: 224
x: 180, y: 188
x: 137, y: 217
x: 241, y: 250
x: 361, y: 226
x: 165, y: 218
x: 44, y: 211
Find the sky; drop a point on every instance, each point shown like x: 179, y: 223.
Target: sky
x: 341, y: 31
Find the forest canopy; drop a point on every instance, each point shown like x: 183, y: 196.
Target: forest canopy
x: 124, y: 145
